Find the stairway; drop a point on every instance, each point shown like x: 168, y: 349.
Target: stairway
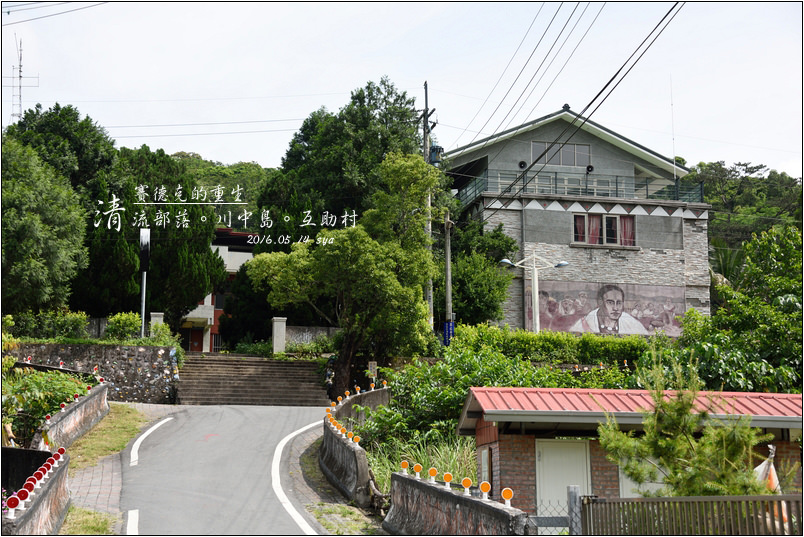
x: 248, y: 380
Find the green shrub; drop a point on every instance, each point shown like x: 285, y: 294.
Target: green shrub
x: 34, y: 394
x: 258, y: 348
x: 51, y: 324
x: 123, y: 326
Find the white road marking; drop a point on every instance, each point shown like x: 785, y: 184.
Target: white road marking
x: 280, y: 494
x: 135, y: 449
x: 132, y: 527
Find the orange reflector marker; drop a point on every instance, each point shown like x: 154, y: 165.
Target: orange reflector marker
x: 356, y: 439
x: 466, y: 482
x: 350, y: 434
x: 384, y: 383
x: 347, y: 393
x: 432, y: 472
x: 340, y: 398
x: 405, y: 465
x: 447, y: 479
x: 485, y: 487
x: 371, y: 385
x: 332, y: 404
x: 357, y: 389
x: 507, y: 494
x: 417, y: 468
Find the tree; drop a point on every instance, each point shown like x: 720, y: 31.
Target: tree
x: 77, y: 148
x: 359, y: 275
x: 747, y: 199
x: 479, y: 284
x: 183, y: 267
x: 681, y: 448
x: 331, y: 164
x: 43, y: 232
x: 479, y: 288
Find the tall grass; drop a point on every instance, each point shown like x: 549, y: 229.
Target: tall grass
x: 453, y: 454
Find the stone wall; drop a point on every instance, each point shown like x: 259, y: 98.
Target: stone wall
x: 343, y: 461
x: 76, y: 420
x: 307, y: 334
x: 133, y: 373
x: 419, y: 507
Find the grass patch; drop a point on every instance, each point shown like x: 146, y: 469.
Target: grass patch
x: 80, y: 521
x: 454, y: 454
x: 110, y: 436
x: 340, y: 519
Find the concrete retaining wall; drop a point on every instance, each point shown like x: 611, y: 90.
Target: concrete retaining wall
x: 76, y: 420
x: 343, y: 461
x: 45, y: 514
x: 419, y: 507
x: 134, y: 373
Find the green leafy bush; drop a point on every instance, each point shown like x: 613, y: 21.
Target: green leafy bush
x: 51, y: 324
x: 430, y: 396
x: 553, y: 347
x: 30, y: 395
x: 257, y: 348
x: 123, y: 326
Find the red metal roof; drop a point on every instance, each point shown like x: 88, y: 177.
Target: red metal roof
x: 590, y: 406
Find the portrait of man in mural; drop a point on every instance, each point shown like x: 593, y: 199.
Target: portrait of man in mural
x: 610, y: 316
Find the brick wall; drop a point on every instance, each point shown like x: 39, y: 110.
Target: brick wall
x: 605, y: 474
x: 518, y: 470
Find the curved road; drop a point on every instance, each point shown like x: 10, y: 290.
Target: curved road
x: 206, y: 470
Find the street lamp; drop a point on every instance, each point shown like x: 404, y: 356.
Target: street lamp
x: 534, y: 288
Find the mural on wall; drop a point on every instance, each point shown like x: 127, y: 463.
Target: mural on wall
x: 607, y: 308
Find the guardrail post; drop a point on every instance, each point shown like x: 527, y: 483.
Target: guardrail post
x: 574, y: 509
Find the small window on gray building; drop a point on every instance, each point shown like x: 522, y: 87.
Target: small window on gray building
x: 578, y: 155
x: 603, y: 229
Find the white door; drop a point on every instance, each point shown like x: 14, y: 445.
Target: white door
x: 559, y: 463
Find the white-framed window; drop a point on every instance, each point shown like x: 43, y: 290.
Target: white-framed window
x: 603, y: 229
x: 558, y: 155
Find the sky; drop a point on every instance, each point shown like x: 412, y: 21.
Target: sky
x: 234, y: 81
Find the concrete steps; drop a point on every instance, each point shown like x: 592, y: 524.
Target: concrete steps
x: 244, y: 380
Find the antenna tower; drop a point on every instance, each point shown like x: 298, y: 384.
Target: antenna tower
x: 17, y: 85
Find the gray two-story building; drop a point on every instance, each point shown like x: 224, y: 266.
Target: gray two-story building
x: 634, y: 235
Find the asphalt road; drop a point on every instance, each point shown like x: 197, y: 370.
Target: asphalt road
x: 207, y: 471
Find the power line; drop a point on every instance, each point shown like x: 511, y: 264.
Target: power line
x: 201, y: 124
x: 524, y: 173
x: 202, y: 134
x: 55, y: 14
x: 12, y: 9
x: 501, y: 74
x: 521, y: 70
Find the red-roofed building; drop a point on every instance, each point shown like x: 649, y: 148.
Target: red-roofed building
x: 538, y: 441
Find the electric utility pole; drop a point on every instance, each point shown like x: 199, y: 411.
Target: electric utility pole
x: 426, y: 154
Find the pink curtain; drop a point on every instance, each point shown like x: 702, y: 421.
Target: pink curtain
x: 627, y: 230
x: 580, y: 232
x: 594, y: 229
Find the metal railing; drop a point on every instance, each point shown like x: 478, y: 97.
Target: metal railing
x: 698, y: 515
x: 580, y: 184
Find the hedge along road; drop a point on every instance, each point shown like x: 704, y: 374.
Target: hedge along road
x: 207, y: 471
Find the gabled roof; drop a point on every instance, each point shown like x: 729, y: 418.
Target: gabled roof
x: 574, y: 408
x: 591, y: 127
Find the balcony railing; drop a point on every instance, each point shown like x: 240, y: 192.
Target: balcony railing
x: 582, y: 185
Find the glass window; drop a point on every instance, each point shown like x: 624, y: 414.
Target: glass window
x: 582, y: 155
x: 579, y: 232
x: 568, y: 155
x: 553, y: 156
x: 603, y: 229
x: 538, y: 149
x: 611, y: 230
